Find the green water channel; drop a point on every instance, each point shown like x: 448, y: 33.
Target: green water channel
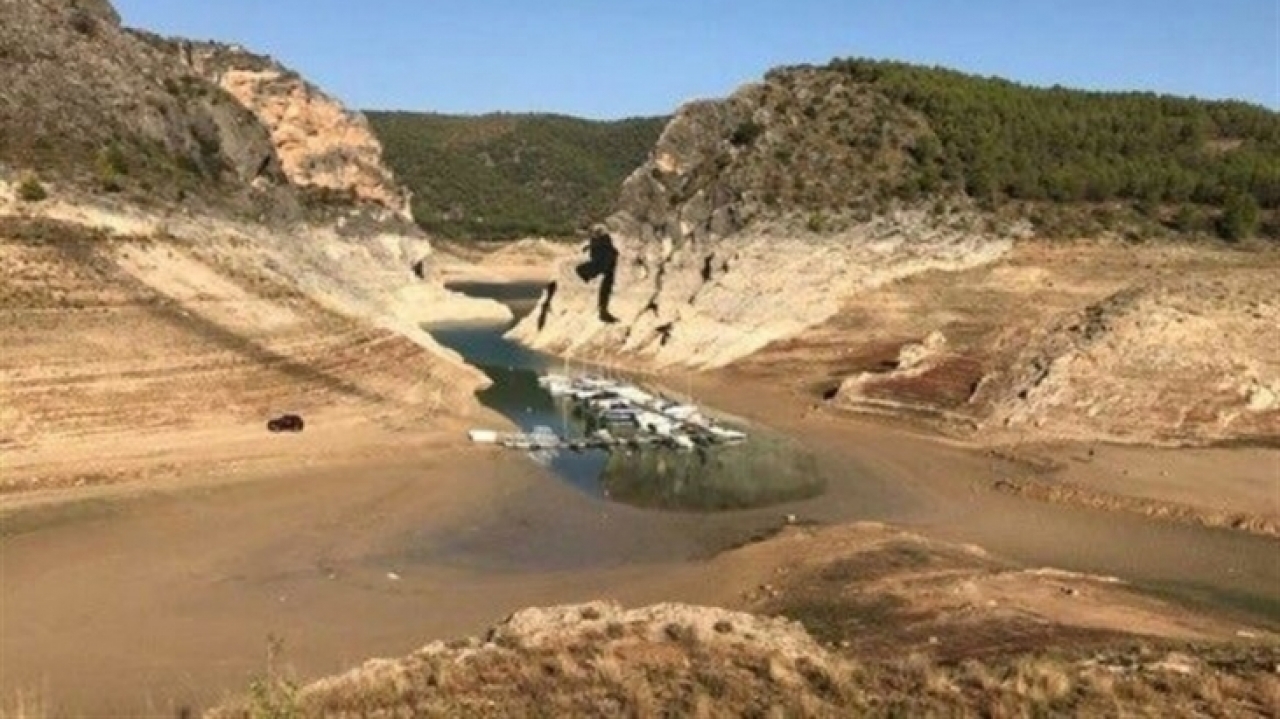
x: 768, y: 469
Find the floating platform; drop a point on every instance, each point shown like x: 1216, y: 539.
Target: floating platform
x: 647, y: 419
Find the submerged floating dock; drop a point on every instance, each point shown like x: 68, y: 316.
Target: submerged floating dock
x: 620, y: 415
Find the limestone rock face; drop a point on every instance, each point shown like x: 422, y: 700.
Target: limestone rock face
x: 1167, y: 363
x: 321, y: 144
x: 739, y: 232
x: 709, y: 303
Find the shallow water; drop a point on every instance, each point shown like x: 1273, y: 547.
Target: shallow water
x: 1206, y: 567
x: 767, y: 470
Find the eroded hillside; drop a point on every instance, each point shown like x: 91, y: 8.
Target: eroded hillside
x: 159, y: 351
x: 196, y: 239
x: 1077, y: 341
x: 321, y: 144
x: 800, y: 226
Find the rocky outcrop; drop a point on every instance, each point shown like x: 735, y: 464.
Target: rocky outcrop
x: 1076, y: 341
x: 320, y: 143
x: 89, y: 104
x: 1177, y: 362
x: 780, y: 219
x: 710, y: 302
x: 754, y: 219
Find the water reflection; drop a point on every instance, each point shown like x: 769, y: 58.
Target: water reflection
x: 767, y: 470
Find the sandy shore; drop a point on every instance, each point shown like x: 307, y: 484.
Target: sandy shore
x: 369, y: 558
x: 529, y: 260
x: 152, y: 601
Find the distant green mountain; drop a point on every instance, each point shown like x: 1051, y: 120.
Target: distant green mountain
x: 505, y: 176
x: 844, y: 142
x: 996, y: 141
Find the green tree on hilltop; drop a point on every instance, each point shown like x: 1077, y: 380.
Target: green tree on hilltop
x: 1239, y: 218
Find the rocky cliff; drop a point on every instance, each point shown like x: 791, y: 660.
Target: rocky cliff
x: 101, y: 116
x: 115, y: 111
x: 87, y: 103
x: 753, y: 219
x: 320, y: 143
x: 805, y: 231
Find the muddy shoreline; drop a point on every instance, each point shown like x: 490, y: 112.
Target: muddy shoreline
x: 409, y: 539
x: 1161, y: 483
x: 941, y: 483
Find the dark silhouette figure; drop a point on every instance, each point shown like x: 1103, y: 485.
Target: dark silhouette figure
x: 545, y: 309
x: 664, y: 333
x: 602, y: 262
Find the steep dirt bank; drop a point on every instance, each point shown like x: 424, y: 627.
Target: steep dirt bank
x: 138, y: 345
x: 903, y: 624
x: 1081, y: 341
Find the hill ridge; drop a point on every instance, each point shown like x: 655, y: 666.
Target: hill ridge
x: 511, y: 175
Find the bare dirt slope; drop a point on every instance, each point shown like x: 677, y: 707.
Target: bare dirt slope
x: 195, y: 238
x: 1083, y: 341
x: 131, y: 353
x: 1073, y: 359
x: 888, y: 623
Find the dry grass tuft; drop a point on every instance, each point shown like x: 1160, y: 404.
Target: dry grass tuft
x: 24, y: 704
x: 567, y: 666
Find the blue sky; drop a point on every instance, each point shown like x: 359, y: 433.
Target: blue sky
x: 616, y: 58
